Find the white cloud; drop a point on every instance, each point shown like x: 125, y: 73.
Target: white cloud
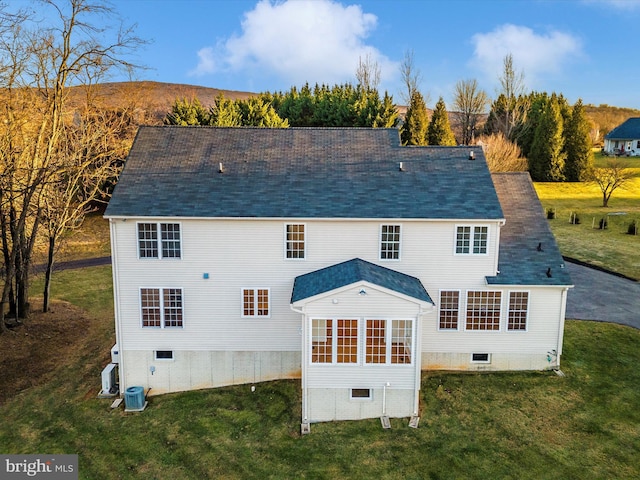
x: 206, y: 63
x: 319, y: 41
x: 537, y: 55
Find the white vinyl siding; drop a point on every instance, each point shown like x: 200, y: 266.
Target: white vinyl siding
x: 219, y: 248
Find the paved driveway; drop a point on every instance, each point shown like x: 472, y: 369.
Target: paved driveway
x: 602, y: 297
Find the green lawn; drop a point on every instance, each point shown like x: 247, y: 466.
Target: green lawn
x: 500, y: 425
x: 611, y: 248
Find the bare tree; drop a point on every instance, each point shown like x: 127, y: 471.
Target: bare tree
x: 38, y: 65
x: 513, y: 90
x: 469, y: 104
x: 368, y: 73
x: 411, y: 77
x: 502, y: 154
x: 615, y: 175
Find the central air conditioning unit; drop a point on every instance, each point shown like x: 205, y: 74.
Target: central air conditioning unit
x: 109, y: 381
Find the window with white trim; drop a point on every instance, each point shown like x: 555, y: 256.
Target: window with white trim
x: 322, y: 340
x: 347, y: 340
x: 161, y: 307
x: 295, y: 241
x: 483, y: 310
x: 388, y: 341
x: 334, y: 340
x: 401, y: 341
x: 255, y: 302
x: 518, y: 311
x: 159, y: 240
x: 449, y: 309
x: 389, y: 242
x: 480, y: 358
x: 361, y: 394
x: 163, y: 355
x: 471, y: 240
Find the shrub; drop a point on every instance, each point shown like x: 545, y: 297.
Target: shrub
x: 551, y: 213
x: 574, y: 219
x: 603, y: 223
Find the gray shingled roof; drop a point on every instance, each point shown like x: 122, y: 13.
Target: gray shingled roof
x: 172, y: 171
x: 520, y: 262
x: 628, y: 130
x: 353, y: 271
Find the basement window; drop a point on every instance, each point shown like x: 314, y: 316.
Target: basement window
x: 164, y: 354
x: 480, y: 358
x: 361, y: 394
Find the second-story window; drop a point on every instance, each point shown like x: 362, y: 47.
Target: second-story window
x: 471, y: 240
x: 389, y: 242
x: 294, y: 247
x: 159, y: 240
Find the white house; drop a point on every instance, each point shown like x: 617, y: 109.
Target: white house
x: 333, y: 255
x: 624, y: 139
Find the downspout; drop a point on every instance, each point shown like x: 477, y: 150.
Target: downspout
x: 384, y: 398
x: 116, y: 303
x: 417, y: 359
x: 563, y: 309
x: 305, y: 390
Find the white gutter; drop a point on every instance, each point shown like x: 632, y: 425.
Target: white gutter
x: 563, y: 309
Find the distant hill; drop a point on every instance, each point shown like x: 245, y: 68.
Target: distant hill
x: 606, y: 117
x: 154, y: 100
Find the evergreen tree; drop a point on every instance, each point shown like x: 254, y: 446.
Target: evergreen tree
x: 416, y: 122
x: 387, y: 114
x: 297, y: 107
x: 256, y: 112
x: 439, y: 131
x: 525, y: 132
x: 373, y: 112
x: 186, y: 112
x: 224, y: 113
x: 577, y: 137
x: 547, y: 156
x: 496, y: 113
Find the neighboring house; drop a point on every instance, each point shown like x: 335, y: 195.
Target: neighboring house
x: 624, y: 139
x: 334, y: 255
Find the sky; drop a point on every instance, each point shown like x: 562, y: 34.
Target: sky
x: 584, y: 49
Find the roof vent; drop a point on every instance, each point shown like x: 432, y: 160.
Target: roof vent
x: 401, y: 167
x: 472, y: 156
x: 220, y: 168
